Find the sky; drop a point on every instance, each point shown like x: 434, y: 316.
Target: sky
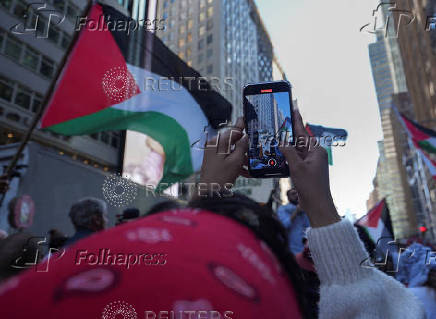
x: 325, y: 58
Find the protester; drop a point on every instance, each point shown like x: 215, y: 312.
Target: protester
x: 163, y: 206
x: 88, y: 215
x: 18, y: 252
x: 225, y: 254
x: 295, y: 221
x: 57, y: 239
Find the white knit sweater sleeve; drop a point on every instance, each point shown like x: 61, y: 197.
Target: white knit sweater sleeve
x: 350, y: 290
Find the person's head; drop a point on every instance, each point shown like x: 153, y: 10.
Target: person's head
x: 164, y: 206
x: 266, y: 226
x: 17, y: 252
x: 89, y: 213
x: 292, y: 196
x: 57, y: 238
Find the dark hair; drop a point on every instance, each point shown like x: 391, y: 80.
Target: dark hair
x: 266, y: 226
x: 163, y: 206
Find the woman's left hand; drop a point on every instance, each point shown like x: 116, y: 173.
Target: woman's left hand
x: 224, y: 158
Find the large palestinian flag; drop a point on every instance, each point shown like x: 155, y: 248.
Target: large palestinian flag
x: 116, y: 81
x: 328, y: 136
x: 424, y: 137
x: 377, y: 224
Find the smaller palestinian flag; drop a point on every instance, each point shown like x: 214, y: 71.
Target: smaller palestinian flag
x: 424, y: 137
x: 378, y: 226
x: 327, y: 136
x: 430, y: 163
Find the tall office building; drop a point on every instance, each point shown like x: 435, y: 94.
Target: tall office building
x: 417, y: 43
x: 57, y: 169
x: 225, y: 39
x: 391, y: 179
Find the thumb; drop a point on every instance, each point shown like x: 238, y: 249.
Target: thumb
x: 291, y: 154
x: 241, y: 147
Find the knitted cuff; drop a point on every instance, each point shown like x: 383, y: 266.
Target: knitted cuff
x: 338, y: 254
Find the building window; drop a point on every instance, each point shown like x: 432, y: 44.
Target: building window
x: 59, y: 4
x: 47, y: 67
x: 209, y: 12
x: 202, y: 30
x: 181, y: 42
x: 202, y: 16
x: 209, y: 53
x: 104, y: 137
x: 6, y: 3
x: 31, y: 59
x: 190, y: 23
x: 200, y: 58
x: 20, y: 9
x: 13, y: 49
x: 114, y: 142
x: 182, y: 55
x: 54, y: 34
x: 36, y: 104
x: 182, y: 29
x: 190, y: 62
x: 209, y: 68
x: 23, y: 97
x: 65, y: 41
x: 209, y: 24
x: 202, y: 3
x: 201, y: 44
x: 209, y: 39
x: 188, y: 52
x: 6, y: 89
x: 72, y: 13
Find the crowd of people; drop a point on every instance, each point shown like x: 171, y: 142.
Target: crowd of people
x: 219, y: 256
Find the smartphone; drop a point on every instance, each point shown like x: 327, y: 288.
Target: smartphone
x: 268, y: 114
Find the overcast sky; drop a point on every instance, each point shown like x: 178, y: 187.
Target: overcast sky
x: 325, y: 57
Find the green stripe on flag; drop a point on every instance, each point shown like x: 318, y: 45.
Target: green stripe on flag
x: 164, y: 129
x: 329, y: 153
x: 427, y: 146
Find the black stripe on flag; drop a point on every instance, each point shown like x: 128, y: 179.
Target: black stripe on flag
x: 420, y: 127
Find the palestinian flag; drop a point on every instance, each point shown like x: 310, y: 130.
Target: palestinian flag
x: 101, y: 89
x: 377, y: 224
x: 429, y: 162
x: 424, y: 137
x: 327, y: 136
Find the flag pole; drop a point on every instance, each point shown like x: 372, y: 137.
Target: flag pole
x: 10, y: 168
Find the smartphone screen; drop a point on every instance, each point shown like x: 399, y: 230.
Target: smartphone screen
x: 268, y: 116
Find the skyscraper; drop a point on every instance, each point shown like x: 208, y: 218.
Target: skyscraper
x: 219, y: 38
x: 60, y: 169
x: 391, y: 177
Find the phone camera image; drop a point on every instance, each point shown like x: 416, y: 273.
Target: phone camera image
x: 269, y: 125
